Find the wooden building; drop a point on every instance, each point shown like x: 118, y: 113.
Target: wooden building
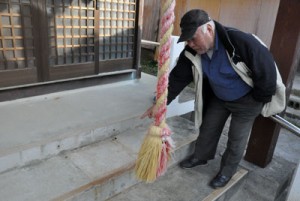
x: 53, y: 45
x: 49, y: 45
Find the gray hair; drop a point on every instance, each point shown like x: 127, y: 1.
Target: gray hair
x: 204, y: 26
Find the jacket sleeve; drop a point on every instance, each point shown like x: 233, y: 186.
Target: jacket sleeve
x: 180, y: 76
x: 261, y: 63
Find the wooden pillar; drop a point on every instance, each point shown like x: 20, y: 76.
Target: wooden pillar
x: 138, y: 38
x: 41, y: 40
x: 285, y: 47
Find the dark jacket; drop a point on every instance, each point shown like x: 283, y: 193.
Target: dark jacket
x: 244, y: 49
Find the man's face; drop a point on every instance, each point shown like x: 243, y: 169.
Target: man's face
x: 202, y: 41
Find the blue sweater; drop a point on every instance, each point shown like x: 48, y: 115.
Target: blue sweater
x: 224, y: 81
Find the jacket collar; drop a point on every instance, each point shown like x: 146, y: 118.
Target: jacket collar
x: 190, y: 50
x: 224, y: 37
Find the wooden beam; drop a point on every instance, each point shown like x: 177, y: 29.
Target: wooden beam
x: 40, y: 33
x: 148, y: 42
x: 138, y: 37
x: 285, y: 47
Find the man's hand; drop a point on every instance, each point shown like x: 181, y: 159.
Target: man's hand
x: 149, y: 112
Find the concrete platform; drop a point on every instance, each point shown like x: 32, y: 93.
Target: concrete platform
x: 94, y: 172
x: 39, y: 127
x: 261, y: 184
x: 250, y: 182
x: 82, y: 144
x: 79, y: 144
x: 182, y: 185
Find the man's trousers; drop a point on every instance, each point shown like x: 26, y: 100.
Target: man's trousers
x: 243, y: 113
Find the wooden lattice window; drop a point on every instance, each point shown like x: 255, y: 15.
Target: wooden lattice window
x: 76, y: 31
x: 47, y: 40
x: 71, y: 28
x: 16, y: 35
x: 117, y: 23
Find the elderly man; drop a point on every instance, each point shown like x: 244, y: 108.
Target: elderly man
x: 234, y: 74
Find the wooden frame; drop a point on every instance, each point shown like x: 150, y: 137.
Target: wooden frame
x: 17, y: 59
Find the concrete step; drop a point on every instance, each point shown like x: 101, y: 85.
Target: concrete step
x: 94, y: 172
x: 188, y: 185
x: 248, y: 184
x: 192, y: 185
x: 265, y: 184
x: 41, y: 127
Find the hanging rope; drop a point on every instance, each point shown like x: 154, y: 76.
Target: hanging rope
x: 155, y: 151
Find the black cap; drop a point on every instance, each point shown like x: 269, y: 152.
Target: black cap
x: 190, y: 23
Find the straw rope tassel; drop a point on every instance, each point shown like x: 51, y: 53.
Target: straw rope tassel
x: 155, y: 151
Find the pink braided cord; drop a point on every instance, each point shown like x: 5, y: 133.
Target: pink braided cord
x: 162, y: 85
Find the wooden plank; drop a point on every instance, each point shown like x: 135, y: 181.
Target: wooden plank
x: 27, y: 90
x: 138, y: 37
x: 151, y: 14
x: 240, y: 14
x: 79, y: 17
x: 13, y: 35
x: 116, y: 65
x: 84, y: 69
x: 180, y: 9
x: 119, y: 28
x: 71, y: 71
x: 72, y: 33
x: 123, y: 34
x: 3, y: 42
x: 96, y: 40
x: 266, y: 21
x: 18, y: 77
x: 212, y: 7
x: 255, y: 16
x: 23, y: 38
x: 221, y: 191
x: 40, y: 33
x: 64, y: 33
